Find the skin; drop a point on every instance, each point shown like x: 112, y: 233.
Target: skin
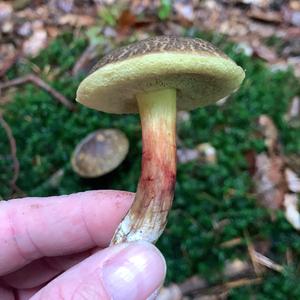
x: 55, y: 248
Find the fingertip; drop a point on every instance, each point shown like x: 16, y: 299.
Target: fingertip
x: 125, y: 271
x: 135, y: 273
x: 103, y: 211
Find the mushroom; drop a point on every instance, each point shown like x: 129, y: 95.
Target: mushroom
x: 154, y: 77
x: 99, y: 153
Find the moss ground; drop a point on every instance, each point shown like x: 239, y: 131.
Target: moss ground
x: 46, y: 134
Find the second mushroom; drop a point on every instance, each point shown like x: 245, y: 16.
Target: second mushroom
x: 154, y: 78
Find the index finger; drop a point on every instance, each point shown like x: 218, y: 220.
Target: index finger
x: 31, y: 228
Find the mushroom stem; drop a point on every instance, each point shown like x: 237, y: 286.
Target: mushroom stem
x: 147, y: 217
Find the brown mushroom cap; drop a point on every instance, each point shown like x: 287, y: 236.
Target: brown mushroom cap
x: 199, y: 72
x: 99, y: 153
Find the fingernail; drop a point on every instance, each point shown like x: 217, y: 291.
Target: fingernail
x: 135, y: 272
x: 154, y: 295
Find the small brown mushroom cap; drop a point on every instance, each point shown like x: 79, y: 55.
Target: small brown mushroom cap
x: 200, y: 73
x: 99, y: 153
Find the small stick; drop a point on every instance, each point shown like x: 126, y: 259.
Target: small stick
x: 267, y: 262
x: 87, y: 56
x: 9, y: 63
x: 13, y: 150
x: 43, y: 85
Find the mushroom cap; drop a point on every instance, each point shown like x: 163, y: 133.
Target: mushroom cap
x: 200, y: 73
x: 99, y: 153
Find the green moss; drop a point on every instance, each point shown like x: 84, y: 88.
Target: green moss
x: 206, y: 196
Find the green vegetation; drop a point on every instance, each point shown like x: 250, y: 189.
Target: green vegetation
x: 206, y: 195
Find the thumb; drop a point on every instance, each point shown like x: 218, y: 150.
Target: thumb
x: 127, y: 271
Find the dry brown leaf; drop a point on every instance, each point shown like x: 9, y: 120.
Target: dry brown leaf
x: 260, y: 31
x: 8, y: 54
x: 171, y: 292
x: 270, y: 133
x: 264, y: 52
x: 6, y: 11
x: 185, y: 9
x: 269, y: 181
x: 77, y: 20
x: 37, y: 41
x: 126, y: 21
x: 293, y: 162
x: 294, y: 62
x: 265, y: 15
x: 260, y: 3
x: 65, y: 5
x: 293, y: 115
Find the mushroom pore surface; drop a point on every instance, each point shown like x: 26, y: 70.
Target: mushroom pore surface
x: 200, y: 73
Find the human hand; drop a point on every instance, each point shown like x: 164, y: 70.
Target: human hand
x: 55, y: 248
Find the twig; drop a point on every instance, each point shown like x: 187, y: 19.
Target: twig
x: 242, y: 282
x: 267, y: 262
x: 177, y: 292
x: 13, y: 150
x: 86, y: 57
x: 42, y: 84
x: 9, y: 63
x: 259, y: 259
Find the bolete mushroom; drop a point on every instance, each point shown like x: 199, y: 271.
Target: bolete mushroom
x: 153, y: 77
x: 99, y: 153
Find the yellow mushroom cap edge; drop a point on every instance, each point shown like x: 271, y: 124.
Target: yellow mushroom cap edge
x: 199, y: 72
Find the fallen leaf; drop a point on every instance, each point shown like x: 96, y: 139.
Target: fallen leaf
x: 294, y: 62
x: 260, y: 3
x: 126, y: 21
x: 295, y: 18
x: 25, y: 29
x: 293, y: 181
x: 265, y: 15
x: 264, y: 52
x: 291, y: 210
x: 207, y: 152
x: 37, y: 41
x: 65, y: 5
x: 185, y: 155
x: 293, y: 162
x: 8, y: 56
x: 235, y: 268
x: 270, y: 134
x: 5, y: 11
x: 77, y: 20
x: 171, y: 292
x: 292, y: 117
x: 269, y: 181
x: 185, y: 9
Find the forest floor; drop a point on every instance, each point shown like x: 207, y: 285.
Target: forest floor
x: 233, y: 229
